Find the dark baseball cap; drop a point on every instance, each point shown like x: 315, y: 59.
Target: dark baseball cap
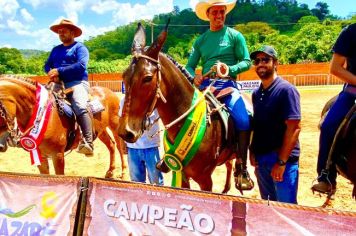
x: 269, y: 50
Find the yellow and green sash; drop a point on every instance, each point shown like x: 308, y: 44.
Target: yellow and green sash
x: 187, y: 141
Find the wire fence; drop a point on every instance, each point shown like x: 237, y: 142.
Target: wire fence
x: 297, y: 80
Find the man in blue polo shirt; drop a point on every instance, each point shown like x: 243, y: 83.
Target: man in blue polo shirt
x: 68, y: 62
x: 274, y: 150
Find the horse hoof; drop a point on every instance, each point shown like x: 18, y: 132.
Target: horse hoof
x: 109, y: 174
x: 3, y: 147
x: 243, y: 182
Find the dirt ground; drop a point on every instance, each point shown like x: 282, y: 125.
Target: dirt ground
x: 312, y: 100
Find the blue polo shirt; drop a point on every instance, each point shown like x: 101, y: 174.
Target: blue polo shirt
x: 272, y: 107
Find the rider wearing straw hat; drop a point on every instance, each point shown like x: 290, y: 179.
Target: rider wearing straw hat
x: 68, y: 63
x: 228, y: 47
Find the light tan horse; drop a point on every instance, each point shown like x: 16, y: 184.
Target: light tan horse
x: 18, y: 99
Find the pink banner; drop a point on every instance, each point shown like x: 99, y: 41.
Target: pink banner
x: 287, y: 219
x: 32, y: 205
x: 129, y: 209
x: 121, y: 208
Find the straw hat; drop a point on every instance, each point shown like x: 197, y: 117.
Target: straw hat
x: 69, y: 24
x: 202, y: 7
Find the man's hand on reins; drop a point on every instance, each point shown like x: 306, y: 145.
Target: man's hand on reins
x: 53, y: 75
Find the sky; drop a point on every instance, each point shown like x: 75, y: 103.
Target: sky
x: 24, y: 24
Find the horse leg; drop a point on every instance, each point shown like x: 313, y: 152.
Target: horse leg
x: 206, y: 184
x: 185, y: 183
x: 58, y: 163
x: 120, y: 145
x: 44, y: 167
x: 109, y: 143
x: 227, y: 186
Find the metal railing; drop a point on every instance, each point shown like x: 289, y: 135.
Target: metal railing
x: 297, y: 80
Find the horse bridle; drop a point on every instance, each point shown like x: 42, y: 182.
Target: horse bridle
x: 146, y: 123
x: 10, y: 123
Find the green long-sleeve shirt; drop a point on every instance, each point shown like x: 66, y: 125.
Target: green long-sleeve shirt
x: 226, y: 45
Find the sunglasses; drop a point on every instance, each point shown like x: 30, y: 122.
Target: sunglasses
x: 264, y: 60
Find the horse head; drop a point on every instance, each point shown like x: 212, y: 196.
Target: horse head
x: 142, y: 82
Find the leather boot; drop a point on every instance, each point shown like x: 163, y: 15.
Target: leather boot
x: 242, y: 177
x: 162, y: 166
x: 86, y: 146
x: 324, y: 185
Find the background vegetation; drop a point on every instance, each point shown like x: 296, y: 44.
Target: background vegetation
x: 300, y: 35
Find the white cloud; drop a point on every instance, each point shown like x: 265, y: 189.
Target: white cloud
x: 72, y: 7
x: 6, y: 46
x: 26, y: 15
x: 92, y: 31
x: 8, y: 8
x: 193, y: 3
x: 126, y: 13
x: 18, y: 27
x: 102, y: 7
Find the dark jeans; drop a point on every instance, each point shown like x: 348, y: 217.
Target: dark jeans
x: 328, y: 129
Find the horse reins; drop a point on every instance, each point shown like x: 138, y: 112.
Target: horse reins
x: 158, y: 93
x: 146, y: 122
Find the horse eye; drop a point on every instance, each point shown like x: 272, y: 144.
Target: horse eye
x: 147, y: 79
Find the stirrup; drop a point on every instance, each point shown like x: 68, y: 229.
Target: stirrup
x: 86, y: 149
x: 324, y: 187
x: 324, y: 184
x: 243, y: 181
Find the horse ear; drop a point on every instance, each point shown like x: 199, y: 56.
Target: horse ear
x: 139, y: 41
x: 156, y: 46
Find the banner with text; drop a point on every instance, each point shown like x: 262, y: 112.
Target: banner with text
x: 249, y: 85
x: 124, y: 208
x: 37, y: 205
x: 137, y: 209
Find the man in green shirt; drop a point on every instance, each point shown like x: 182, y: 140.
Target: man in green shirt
x: 228, y: 46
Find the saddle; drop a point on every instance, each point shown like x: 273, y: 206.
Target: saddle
x: 64, y: 108
x: 216, y: 106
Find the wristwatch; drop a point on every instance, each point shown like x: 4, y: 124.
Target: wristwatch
x: 281, y: 162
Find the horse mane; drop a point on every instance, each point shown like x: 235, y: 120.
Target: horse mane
x: 27, y: 82
x: 181, y: 68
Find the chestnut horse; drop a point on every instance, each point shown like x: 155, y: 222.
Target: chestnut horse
x: 154, y: 80
x: 343, y: 149
x: 18, y: 99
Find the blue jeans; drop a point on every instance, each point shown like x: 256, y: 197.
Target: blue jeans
x: 234, y: 103
x: 141, y: 159
x: 80, y: 97
x: 285, y: 191
x: 328, y: 129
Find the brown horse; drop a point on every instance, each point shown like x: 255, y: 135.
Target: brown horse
x: 154, y: 80
x: 343, y: 149
x: 18, y: 99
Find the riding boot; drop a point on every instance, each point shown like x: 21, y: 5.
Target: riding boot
x: 324, y: 185
x: 86, y: 146
x: 242, y: 177
x: 162, y: 166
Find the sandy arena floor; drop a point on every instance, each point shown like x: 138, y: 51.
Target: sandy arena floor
x: 312, y: 98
